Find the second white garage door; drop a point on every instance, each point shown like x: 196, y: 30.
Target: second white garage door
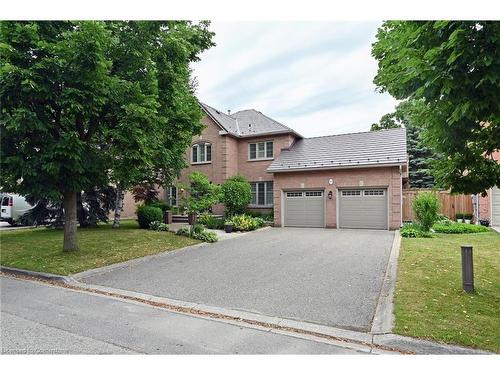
x: 363, y: 208
x: 304, y: 209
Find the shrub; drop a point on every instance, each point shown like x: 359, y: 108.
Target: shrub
x: 426, y: 209
x: 147, y: 214
x: 205, y: 236
x: 259, y: 221
x: 413, y: 231
x: 197, y: 228
x: 158, y: 226
x: 236, y: 195
x: 183, y: 232
x: 210, y: 221
x: 458, y: 228
x: 162, y: 205
x: 246, y: 222
x: 268, y: 217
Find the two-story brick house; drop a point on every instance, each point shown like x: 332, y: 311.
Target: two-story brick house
x: 347, y: 181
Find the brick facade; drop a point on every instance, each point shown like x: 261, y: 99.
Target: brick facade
x: 230, y: 157
x: 389, y: 178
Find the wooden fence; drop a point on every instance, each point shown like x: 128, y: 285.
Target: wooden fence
x: 450, y: 204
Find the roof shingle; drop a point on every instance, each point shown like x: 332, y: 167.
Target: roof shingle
x: 384, y: 147
x: 247, y: 123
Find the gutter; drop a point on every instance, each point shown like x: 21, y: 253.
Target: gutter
x: 327, y: 168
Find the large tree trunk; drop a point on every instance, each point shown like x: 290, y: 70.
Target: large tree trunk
x: 118, y: 206
x: 70, y: 222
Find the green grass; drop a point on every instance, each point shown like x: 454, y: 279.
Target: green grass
x: 429, y: 301
x: 41, y: 249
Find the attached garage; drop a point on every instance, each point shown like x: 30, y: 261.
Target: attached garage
x: 363, y: 208
x: 304, y: 208
x: 495, y: 206
x: 358, y: 180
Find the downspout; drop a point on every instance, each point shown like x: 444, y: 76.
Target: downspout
x: 401, y: 195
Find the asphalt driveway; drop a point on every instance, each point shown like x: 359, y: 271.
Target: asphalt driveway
x: 325, y: 276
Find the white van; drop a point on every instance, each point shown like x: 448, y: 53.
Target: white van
x: 13, y: 206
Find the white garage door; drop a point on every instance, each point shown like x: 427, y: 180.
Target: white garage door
x: 304, y: 209
x: 495, y: 206
x: 363, y: 208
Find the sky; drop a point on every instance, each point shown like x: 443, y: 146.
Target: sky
x: 315, y: 77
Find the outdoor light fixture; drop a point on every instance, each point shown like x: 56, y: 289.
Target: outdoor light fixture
x: 330, y: 194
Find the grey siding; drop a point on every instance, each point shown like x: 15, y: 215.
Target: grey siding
x: 306, y: 210
x: 363, y: 211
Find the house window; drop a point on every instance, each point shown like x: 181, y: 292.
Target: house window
x: 374, y: 192
x: 351, y: 193
x: 314, y: 193
x: 201, y: 153
x: 172, y: 198
x: 262, y: 193
x: 260, y: 150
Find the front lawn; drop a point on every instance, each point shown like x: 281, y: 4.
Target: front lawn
x: 41, y: 249
x: 429, y: 301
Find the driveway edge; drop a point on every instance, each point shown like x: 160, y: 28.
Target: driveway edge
x: 131, y: 262
x: 38, y: 275
x: 383, y: 320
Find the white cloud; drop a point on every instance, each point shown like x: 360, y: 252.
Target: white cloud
x: 315, y: 77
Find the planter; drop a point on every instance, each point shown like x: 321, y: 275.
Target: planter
x: 467, y: 221
x: 192, y: 219
x: 485, y: 222
x: 228, y: 228
x: 460, y: 220
x: 167, y: 217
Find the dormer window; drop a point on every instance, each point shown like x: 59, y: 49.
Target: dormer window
x: 201, y: 153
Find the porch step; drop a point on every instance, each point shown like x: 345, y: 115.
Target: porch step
x: 179, y: 219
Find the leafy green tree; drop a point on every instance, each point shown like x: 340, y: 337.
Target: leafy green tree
x: 202, y: 194
x: 236, y: 194
x: 387, y: 121
x: 454, y: 67
x: 90, y: 103
x: 421, y: 156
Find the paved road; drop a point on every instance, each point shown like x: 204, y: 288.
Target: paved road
x: 37, y: 318
x: 331, y: 277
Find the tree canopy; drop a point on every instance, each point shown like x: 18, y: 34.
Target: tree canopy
x: 89, y: 103
x: 454, y: 68
x: 421, y: 156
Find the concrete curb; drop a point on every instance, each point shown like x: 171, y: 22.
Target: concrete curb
x: 419, y: 346
x: 383, y: 320
x: 39, y: 275
x: 340, y: 337
x: 359, y: 341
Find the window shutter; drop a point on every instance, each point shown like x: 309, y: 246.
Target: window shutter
x: 269, y: 193
x: 209, y: 151
x: 269, y: 149
x: 195, y: 153
x: 253, y: 185
x: 253, y: 151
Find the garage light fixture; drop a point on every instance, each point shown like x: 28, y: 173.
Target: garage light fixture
x: 330, y: 194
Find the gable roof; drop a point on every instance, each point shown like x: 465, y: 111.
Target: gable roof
x: 247, y: 123
x: 374, y: 148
